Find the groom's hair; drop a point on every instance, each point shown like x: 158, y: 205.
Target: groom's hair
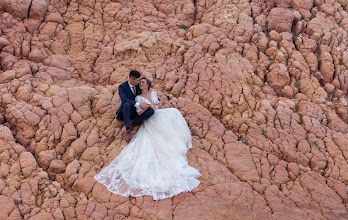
x: 147, y: 81
x: 134, y: 74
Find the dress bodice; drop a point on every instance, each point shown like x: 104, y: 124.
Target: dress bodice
x: 154, y: 100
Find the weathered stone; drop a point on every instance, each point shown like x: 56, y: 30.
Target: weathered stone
x: 280, y: 20
x: 274, y: 79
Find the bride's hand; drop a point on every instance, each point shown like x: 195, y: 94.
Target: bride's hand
x: 160, y: 104
x: 144, y: 105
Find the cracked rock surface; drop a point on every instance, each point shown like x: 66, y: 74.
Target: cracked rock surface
x: 263, y: 86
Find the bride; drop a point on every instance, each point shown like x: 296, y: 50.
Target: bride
x: 154, y: 162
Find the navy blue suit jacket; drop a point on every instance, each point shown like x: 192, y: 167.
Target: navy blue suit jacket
x: 126, y: 96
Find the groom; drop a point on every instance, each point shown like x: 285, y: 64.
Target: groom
x: 127, y: 112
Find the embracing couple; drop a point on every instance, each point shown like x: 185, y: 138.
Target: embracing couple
x: 154, y: 162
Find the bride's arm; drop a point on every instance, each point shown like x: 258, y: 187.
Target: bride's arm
x: 157, y: 102
x: 139, y: 109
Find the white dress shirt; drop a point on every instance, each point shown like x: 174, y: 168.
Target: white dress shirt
x: 133, y: 89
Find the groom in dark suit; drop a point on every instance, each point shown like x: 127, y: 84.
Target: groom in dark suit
x: 127, y: 111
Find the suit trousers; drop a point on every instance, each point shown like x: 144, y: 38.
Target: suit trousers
x: 129, y: 113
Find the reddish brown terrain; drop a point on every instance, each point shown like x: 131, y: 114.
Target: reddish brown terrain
x: 262, y: 85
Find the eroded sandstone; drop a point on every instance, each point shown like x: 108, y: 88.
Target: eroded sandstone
x: 261, y: 84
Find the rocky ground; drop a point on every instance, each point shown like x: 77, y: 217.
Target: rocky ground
x: 262, y: 84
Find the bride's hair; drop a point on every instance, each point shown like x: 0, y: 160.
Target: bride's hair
x: 147, y: 81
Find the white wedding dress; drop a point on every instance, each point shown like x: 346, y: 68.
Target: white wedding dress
x: 154, y: 162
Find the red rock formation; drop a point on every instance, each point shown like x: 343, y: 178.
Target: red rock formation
x: 262, y: 84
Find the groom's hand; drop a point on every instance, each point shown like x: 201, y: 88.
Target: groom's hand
x: 144, y: 105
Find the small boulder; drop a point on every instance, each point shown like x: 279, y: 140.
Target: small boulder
x: 280, y: 20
